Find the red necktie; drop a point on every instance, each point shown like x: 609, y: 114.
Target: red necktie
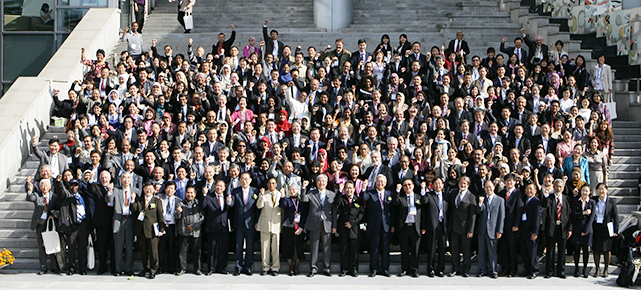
x: 507, y: 195
x: 558, y: 208
x: 220, y: 200
x: 151, y: 168
x: 458, y: 47
x: 104, y: 84
x: 126, y: 199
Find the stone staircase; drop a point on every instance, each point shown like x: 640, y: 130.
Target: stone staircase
x: 433, y: 23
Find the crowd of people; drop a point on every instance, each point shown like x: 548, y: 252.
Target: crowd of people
x: 186, y: 157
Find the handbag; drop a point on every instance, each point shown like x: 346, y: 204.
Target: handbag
x: 91, y: 255
x: 50, y: 238
x: 189, y: 21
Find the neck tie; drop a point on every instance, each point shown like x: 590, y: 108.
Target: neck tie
x: 168, y: 210
x: 458, y: 46
x: 46, y: 200
x: 507, y: 195
x: 382, y: 195
x: 558, y: 208
x: 220, y: 200
x: 126, y: 198
x: 245, y: 196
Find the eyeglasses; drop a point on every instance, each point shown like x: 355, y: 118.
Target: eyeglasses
x: 242, y: 146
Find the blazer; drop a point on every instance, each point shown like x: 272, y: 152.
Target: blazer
x: 510, y: 51
x: 356, y: 59
x: 44, y: 156
x: 244, y: 214
x: 39, y: 202
x: 289, y: 206
x: 410, y: 174
x: 606, y: 77
x: 226, y: 45
x: 269, y: 43
x: 582, y: 223
x: 513, y: 208
x: 524, y: 144
x: 281, y: 178
x: 352, y: 213
x: 103, y: 214
x: 463, y: 216
x: 383, y: 170
x: 533, y: 213
x: 270, y: 214
x: 491, y: 217
x: 432, y: 210
x: 471, y: 138
x: 532, y: 48
x: 117, y: 198
x: 402, y: 210
x: 319, y: 215
x: 538, y: 140
x: 216, y: 218
x: 378, y: 216
x: 611, y: 212
x: 154, y: 214
x: 550, y: 211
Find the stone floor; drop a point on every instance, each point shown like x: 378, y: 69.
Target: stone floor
x: 11, y: 279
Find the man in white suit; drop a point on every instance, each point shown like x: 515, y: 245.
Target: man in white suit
x: 269, y: 226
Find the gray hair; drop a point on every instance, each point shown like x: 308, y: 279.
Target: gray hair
x: 382, y: 176
x: 322, y: 176
x: 559, y: 180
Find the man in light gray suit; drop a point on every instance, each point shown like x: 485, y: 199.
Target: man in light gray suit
x: 53, y: 157
x: 121, y: 199
x: 490, y: 229
x: 285, y: 176
x: 320, y: 223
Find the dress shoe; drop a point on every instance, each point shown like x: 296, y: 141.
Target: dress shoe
x: 208, y: 273
x: 291, y: 273
x: 42, y: 272
x: 197, y: 272
x: 263, y: 273
x: 503, y: 273
x: 141, y: 274
x: 355, y: 274
x: 548, y: 276
x: 440, y: 274
x: 562, y: 276
x: 56, y: 271
x: 223, y: 272
x: 237, y: 273
x: 70, y: 272
x: 481, y: 275
x: 465, y: 275
x: 248, y: 272
x: 402, y: 274
x: 152, y: 275
x: 342, y: 274
x: 532, y: 276
x: 327, y: 273
x: 430, y: 274
x: 274, y: 273
x: 312, y: 273
x: 513, y: 274
x: 129, y: 273
x: 414, y: 274
x: 180, y: 273
x: 494, y: 275
x: 386, y: 273
x: 160, y: 272
x: 585, y: 272
x: 100, y: 272
x: 83, y: 273
x: 452, y: 274
x: 373, y: 273
x: 117, y: 274
x: 577, y: 274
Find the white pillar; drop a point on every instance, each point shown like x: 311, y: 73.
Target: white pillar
x: 332, y: 14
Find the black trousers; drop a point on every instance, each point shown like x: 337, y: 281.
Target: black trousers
x: 459, y: 243
x: 529, y: 253
x: 559, y: 239
x: 349, y: 250
x: 181, y: 18
x: 104, y: 247
x: 42, y: 255
x: 185, y: 243
x: 509, y: 251
x: 167, y: 249
x: 77, y: 243
x: 291, y: 244
x: 436, y: 239
x: 379, y: 244
x: 408, y: 240
x: 218, y: 249
x: 244, y: 236
x: 149, y: 253
x: 140, y: 16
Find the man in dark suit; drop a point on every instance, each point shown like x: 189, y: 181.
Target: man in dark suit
x: 216, y: 207
x: 558, y: 228
x: 531, y: 213
x: 458, y: 46
x: 517, y: 49
x: 408, y: 220
x: 508, y: 242
x: 518, y: 141
x: 403, y: 171
x: 549, y: 167
x: 538, y: 49
x: 377, y: 169
x: 459, y: 115
x: 245, y: 217
x: 416, y: 55
x: 361, y: 54
x: 102, y: 220
x: 150, y: 228
x: 436, y: 204
x: 532, y: 128
x: 320, y: 223
x: 272, y: 42
x: 465, y: 134
x: 399, y: 127
x: 122, y: 200
x: 506, y: 122
x: 350, y: 214
x: 462, y: 214
x: 545, y: 140
x: 127, y: 132
x: 378, y: 202
x: 310, y: 152
x: 146, y: 170
x: 222, y: 45
x: 491, y: 209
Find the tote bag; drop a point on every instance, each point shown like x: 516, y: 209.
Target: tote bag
x: 189, y: 21
x: 91, y: 255
x: 50, y: 238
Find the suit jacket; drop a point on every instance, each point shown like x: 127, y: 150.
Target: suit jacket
x: 103, y: 214
x: 455, y: 120
x: 269, y: 43
x: 510, y: 142
x: 451, y: 48
x: 606, y: 77
x: 319, y: 214
x: 528, y: 133
x: 531, y: 45
x: 154, y: 214
x: 244, y: 214
x: 39, y: 206
x: 356, y: 59
x: 463, y: 216
x: 533, y: 213
x: 491, y: 217
x: 45, y: 158
x: 557, y: 173
x: 352, y: 213
x: 513, y: 208
x: 410, y: 174
x: 402, y: 207
x: 550, y: 210
x: 281, y: 178
x: 378, y: 216
x: 117, y: 198
x: 510, y: 51
x: 471, y: 138
x: 582, y: 223
x: 345, y: 56
x: 432, y: 208
x: 270, y: 212
x: 226, y: 45
x: 216, y: 218
x: 538, y: 141
x: 611, y: 213
x: 385, y: 171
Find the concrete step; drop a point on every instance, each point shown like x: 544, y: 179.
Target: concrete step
x: 628, y: 145
x: 625, y: 175
x: 626, y: 124
x: 626, y: 152
x: 23, y: 214
x: 14, y: 223
x: 618, y: 132
x: 25, y: 253
x: 625, y: 167
x: 623, y: 183
x: 20, y: 243
x: 16, y: 205
x: 17, y: 234
x: 623, y: 191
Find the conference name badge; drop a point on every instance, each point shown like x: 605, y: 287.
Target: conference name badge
x: 389, y: 198
x: 152, y: 206
x: 356, y: 205
x: 255, y: 196
x: 418, y: 202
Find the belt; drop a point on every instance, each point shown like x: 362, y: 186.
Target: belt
x: 410, y: 224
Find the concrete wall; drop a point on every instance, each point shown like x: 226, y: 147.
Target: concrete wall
x: 333, y: 14
x: 25, y: 108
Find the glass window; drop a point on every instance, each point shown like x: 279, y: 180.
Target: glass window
x: 28, y: 15
x: 25, y: 55
x: 89, y: 3
x: 69, y: 18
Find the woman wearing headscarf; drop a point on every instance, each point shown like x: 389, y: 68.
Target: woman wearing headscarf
x: 251, y: 47
x: 283, y: 125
